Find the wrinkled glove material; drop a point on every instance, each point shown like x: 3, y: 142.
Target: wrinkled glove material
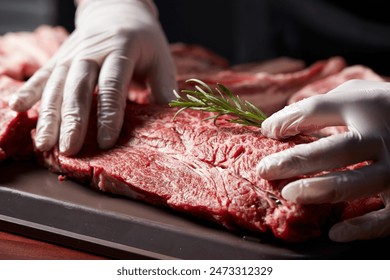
x: 363, y: 106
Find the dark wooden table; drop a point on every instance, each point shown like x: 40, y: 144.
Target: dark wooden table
x: 15, y: 247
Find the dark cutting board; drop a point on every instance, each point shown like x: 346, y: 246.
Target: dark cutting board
x: 34, y: 203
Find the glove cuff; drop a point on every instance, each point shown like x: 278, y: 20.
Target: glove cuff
x: 82, y: 4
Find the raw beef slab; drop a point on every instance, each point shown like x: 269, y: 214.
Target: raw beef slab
x: 268, y: 84
x: 332, y: 81
x: 15, y: 128
x: 195, y: 167
x: 272, y: 66
x: 191, y: 58
x: 268, y: 91
x: 22, y: 53
x: 187, y: 165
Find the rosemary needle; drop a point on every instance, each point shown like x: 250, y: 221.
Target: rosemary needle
x: 222, y: 102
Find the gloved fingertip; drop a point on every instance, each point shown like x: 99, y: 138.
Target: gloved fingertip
x: 269, y: 168
x: 69, y: 147
x: 46, y: 135
x: 338, y: 233
x: 276, y: 130
x: 64, y: 145
x: 263, y: 169
x: 284, y: 123
x: 163, y: 82
x: 42, y: 144
x: 106, y: 139
x: 266, y: 129
x: 290, y: 193
x: 18, y: 102
x: 14, y: 103
x: 164, y: 93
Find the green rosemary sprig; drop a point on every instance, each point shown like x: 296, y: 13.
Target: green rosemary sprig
x: 203, y: 98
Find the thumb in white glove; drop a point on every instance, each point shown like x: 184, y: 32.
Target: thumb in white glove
x: 364, y: 107
x: 114, y: 41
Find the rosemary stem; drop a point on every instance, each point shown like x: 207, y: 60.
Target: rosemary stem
x: 224, y: 102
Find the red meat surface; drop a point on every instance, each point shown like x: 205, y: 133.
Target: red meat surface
x: 15, y: 128
x: 330, y: 82
x: 200, y: 169
x: 268, y: 91
x: 188, y: 165
x: 22, y: 53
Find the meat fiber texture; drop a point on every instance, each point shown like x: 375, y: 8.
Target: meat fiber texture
x: 195, y: 167
x: 22, y: 53
x: 188, y: 165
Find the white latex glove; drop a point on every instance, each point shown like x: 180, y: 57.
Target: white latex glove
x: 364, y: 107
x: 114, y: 40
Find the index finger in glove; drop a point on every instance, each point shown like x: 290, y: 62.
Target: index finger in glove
x: 31, y: 91
x: 304, y: 116
x: 340, y: 106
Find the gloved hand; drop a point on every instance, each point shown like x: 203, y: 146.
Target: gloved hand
x: 114, y: 40
x: 364, y: 107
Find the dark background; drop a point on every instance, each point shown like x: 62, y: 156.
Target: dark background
x: 256, y: 30
x: 249, y: 30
